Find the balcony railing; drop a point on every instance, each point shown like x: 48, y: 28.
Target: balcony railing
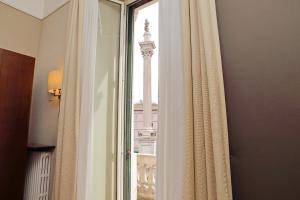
x: 146, y: 173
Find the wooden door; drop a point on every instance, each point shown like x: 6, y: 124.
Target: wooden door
x: 16, y: 76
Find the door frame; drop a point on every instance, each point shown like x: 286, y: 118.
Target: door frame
x: 121, y: 105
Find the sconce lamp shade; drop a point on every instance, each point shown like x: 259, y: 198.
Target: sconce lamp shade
x: 55, y: 82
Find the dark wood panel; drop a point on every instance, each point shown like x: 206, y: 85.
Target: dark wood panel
x: 16, y: 76
x: 260, y: 44
x: 40, y: 147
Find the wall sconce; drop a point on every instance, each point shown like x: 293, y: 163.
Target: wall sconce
x: 55, y: 82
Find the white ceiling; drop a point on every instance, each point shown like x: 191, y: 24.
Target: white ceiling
x: 37, y: 8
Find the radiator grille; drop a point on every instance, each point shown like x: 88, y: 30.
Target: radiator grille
x: 38, y: 176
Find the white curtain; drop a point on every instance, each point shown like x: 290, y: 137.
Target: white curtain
x: 170, y: 166
x: 193, y: 153
x: 73, y: 170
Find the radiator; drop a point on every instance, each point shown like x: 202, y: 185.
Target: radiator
x: 38, y: 176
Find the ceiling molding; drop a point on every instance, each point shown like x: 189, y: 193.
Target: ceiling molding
x: 36, y: 8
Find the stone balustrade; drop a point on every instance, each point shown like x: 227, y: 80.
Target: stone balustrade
x: 146, y: 173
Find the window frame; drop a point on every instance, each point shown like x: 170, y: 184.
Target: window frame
x: 125, y: 97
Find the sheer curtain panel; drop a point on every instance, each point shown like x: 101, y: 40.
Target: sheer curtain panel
x: 193, y: 149
x: 73, y: 170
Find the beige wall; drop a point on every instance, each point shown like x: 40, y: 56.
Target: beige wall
x: 44, y: 113
x: 19, y: 32
x: 45, y: 40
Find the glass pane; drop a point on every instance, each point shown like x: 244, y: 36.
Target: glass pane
x: 106, y: 101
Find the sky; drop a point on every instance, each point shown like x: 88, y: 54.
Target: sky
x: 150, y: 13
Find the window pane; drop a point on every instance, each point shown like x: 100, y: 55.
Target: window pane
x: 106, y: 99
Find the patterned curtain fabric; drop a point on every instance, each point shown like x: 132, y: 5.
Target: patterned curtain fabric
x: 73, y: 168
x: 207, y: 168
x: 200, y: 162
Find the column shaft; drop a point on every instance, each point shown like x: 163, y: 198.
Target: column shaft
x: 147, y: 97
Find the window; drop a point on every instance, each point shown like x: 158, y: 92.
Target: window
x: 108, y: 68
x: 142, y: 100
x: 126, y: 103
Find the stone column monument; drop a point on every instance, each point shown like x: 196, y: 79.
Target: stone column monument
x: 147, y: 137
